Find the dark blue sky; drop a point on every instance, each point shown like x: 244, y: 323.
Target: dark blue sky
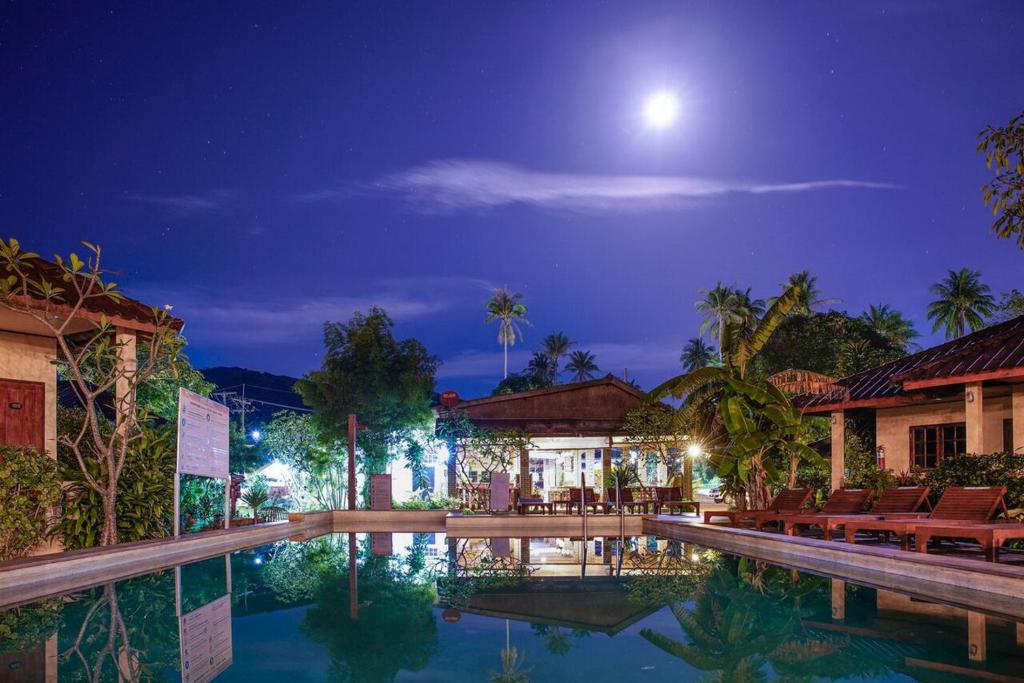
x: 265, y: 167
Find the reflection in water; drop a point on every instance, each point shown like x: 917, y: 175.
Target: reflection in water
x: 442, y: 608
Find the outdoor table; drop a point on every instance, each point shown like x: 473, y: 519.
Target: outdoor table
x: 525, y: 506
x: 990, y: 537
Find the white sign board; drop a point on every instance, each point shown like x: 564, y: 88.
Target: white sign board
x: 202, y: 436
x: 206, y: 641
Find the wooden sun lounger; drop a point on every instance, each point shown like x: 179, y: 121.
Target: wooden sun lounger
x: 990, y: 537
x: 896, y: 500
x: 842, y: 502
x: 671, y: 498
x: 789, y: 500
x: 958, y: 506
x: 629, y: 503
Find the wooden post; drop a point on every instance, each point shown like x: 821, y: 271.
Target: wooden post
x: 974, y: 410
x: 976, y: 623
x: 351, y: 461
x: 1017, y: 417
x: 127, y: 363
x: 1020, y: 635
x: 353, y: 574
x: 838, y: 600
x: 838, y: 448
x: 525, y: 480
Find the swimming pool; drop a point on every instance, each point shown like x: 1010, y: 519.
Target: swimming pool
x: 427, y: 607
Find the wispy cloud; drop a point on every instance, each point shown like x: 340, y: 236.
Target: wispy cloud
x: 468, y: 184
x: 187, y: 204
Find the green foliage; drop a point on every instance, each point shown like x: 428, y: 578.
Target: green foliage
x: 582, y: 366
x: 145, y: 490
x: 24, y: 628
x: 994, y: 469
x: 30, y: 488
x: 243, y: 457
x: 388, y: 384
x: 519, y: 381
x: 508, y: 310
x: 891, y: 324
x: 318, y: 462
x: 202, y: 503
x: 832, y: 343
x: 433, y: 502
x: 1011, y: 305
x: 1004, y: 153
x: 964, y: 302
x: 159, y: 393
x: 256, y: 495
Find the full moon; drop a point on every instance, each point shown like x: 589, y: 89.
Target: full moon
x: 661, y: 109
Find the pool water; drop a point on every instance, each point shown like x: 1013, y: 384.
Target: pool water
x: 423, y: 607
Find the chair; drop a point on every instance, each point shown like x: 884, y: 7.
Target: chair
x: 671, y: 497
x: 579, y: 497
x: 789, y: 500
x: 847, y: 505
x: 959, y: 505
x: 628, y: 503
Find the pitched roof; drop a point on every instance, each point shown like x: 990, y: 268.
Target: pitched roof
x: 996, y: 352
x: 123, y: 312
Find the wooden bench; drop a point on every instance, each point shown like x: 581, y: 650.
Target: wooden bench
x: 990, y: 537
x: 671, y: 498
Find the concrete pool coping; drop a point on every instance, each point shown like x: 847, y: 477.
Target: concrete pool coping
x: 969, y: 583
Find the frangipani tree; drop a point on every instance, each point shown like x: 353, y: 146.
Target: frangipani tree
x: 764, y: 433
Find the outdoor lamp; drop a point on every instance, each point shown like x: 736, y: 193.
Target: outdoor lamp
x: 694, y: 450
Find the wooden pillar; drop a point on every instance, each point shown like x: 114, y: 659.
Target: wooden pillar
x: 606, y: 465
x: 127, y: 363
x: 52, y: 661
x: 687, y: 475
x: 976, y: 649
x: 1017, y: 416
x: 838, y: 600
x: 525, y: 481
x: 1020, y: 635
x: 838, y: 448
x: 524, y: 550
x: 974, y: 410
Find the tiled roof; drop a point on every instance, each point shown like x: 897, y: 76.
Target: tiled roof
x: 993, y: 349
x: 124, y: 310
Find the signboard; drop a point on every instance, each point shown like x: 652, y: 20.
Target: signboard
x: 380, y: 491
x: 499, y: 491
x: 206, y: 641
x: 500, y: 547
x: 202, y: 436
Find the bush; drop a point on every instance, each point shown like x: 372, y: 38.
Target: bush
x: 145, y: 491
x: 30, y: 488
x: 202, y: 503
x: 434, y: 502
x: 995, y: 469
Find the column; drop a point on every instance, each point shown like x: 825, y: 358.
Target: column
x: 976, y: 646
x: 606, y: 466
x: 687, y: 475
x: 1017, y: 415
x: 974, y: 412
x: 127, y: 362
x: 838, y: 600
x: 525, y: 481
x: 838, y: 448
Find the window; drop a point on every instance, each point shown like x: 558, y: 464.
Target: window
x: 1008, y: 435
x: 930, y: 444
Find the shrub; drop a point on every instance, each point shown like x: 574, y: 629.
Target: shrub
x: 433, y: 502
x: 30, y: 488
x: 202, y: 503
x: 23, y: 628
x: 995, y: 469
x: 145, y: 490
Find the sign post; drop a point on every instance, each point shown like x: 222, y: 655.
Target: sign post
x: 202, y: 447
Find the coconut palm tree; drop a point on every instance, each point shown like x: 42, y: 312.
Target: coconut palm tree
x: 582, y: 365
x: 541, y: 369
x: 964, y: 301
x: 555, y: 346
x: 509, y: 311
x: 746, y: 311
x: 812, y: 296
x: 698, y: 354
x: 890, y: 323
x: 716, y: 305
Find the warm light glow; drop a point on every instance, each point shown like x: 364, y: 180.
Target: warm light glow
x: 694, y: 450
x: 661, y: 109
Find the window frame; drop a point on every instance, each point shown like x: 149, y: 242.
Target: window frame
x: 940, y: 443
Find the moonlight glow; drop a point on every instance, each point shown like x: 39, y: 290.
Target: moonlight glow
x: 661, y: 109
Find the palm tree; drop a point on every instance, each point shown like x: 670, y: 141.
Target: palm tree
x: 510, y: 312
x: 964, y: 301
x: 746, y: 311
x: 890, y: 323
x: 698, y: 354
x: 716, y: 305
x: 541, y: 369
x: 556, y: 346
x: 582, y: 365
x: 811, y: 297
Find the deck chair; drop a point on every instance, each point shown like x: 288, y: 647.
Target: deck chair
x: 958, y: 505
x: 579, y: 497
x: 671, y: 498
x: 629, y: 502
x: 789, y: 500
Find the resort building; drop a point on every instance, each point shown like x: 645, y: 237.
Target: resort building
x: 964, y: 396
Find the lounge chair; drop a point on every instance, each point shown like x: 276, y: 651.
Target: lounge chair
x: 671, y: 498
x: 990, y: 537
x: 629, y: 502
x: 959, y: 505
x: 576, y: 500
x: 789, y: 500
x: 848, y: 504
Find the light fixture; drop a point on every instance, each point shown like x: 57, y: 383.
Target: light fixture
x: 256, y: 435
x: 970, y: 397
x: 694, y: 450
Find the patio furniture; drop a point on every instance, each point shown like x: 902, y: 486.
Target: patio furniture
x: 789, y: 500
x: 629, y: 502
x: 832, y: 517
x: 530, y: 504
x: 959, y: 505
x: 671, y: 498
x: 579, y: 497
x: 990, y: 537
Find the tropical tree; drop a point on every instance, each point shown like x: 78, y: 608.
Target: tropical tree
x: 963, y: 301
x: 582, y: 365
x: 698, y: 354
x: 1004, y: 152
x: 812, y: 296
x: 717, y: 307
x: 764, y: 430
x: 1011, y: 305
x: 890, y: 323
x: 556, y: 346
x: 509, y: 312
x: 317, y: 462
x: 746, y: 311
x: 541, y: 370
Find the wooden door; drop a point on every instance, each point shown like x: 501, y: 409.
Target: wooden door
x: 22, y: 413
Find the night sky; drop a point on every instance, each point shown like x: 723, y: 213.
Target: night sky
x: 267, y: 166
